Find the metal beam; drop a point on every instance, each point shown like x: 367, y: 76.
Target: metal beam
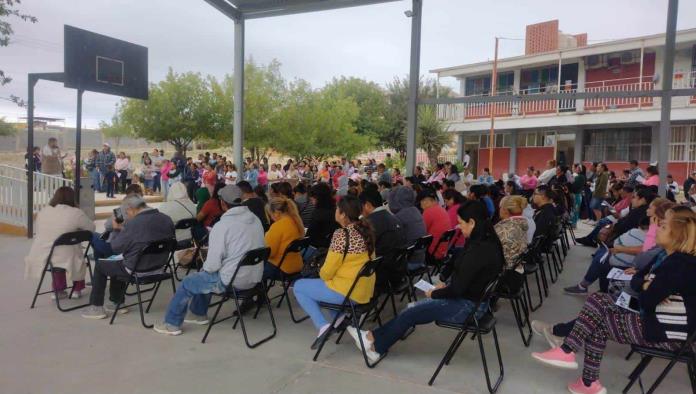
x: 666, y: 110
x: 414, y: 84
x: 238, y: 126
x: 226, y: 8
x: 264, y: 10
x: 555, y: 96
x: 78, y: 147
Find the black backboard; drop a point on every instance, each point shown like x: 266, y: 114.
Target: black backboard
x: 98, y: 63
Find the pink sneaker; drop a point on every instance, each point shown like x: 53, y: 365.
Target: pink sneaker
x: 578, y: 387
x: 556, y: 357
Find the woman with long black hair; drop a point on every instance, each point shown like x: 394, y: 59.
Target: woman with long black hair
x: 480, y: 262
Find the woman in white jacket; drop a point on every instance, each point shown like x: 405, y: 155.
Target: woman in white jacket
x: 56, y: 219
x: 179, y: 206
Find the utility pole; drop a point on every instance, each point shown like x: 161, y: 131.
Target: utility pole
x: 492, y: 107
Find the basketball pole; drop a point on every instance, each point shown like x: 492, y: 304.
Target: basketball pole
x: 493, y: 106
x: 78, y: 146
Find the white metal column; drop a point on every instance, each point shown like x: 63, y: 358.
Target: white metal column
x: 238, y: 125
x: 414, y: 83
x: 666, y: 110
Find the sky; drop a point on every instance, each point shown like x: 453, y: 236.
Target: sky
x: 371, y: 42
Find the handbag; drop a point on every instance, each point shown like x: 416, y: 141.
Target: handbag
x: 311, y: 268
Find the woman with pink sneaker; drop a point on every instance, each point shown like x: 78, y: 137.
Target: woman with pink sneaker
x: 667, y: 300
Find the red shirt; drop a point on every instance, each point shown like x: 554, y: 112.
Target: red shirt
x: 211, y: 209
x: 209, y: 177
x: 437, y: 221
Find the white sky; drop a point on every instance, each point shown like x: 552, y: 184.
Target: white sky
x: 370, y: 42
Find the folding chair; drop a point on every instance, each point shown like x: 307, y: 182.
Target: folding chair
x: 477, y: 327
x: 155, y: 275
x: 358, y: 312
x: 437, y: 263
x: 520, y: 308
x: 685, y: 354
x: 533, y: 266
x: 421, y: 243
x: 197, y: 259
x: 286, y: 280
x: 251, y: 258
x: 404, y: 288
x: 67, y: 239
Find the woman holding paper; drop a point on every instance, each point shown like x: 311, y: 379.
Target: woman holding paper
x: 480, y: 262
x: 665, y: 320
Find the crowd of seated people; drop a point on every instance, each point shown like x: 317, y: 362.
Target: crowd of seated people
x: 351, y: 215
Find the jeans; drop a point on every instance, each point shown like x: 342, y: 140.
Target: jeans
x: 103, y: 270
x: 598, y: 270
x: 101, y: 248
x: 96, y: 180
x: 156, y: 182
x: 123, y: 179
x: 110, y: 188
x: 195, y: 288
x: 423, y: 312
x: 587, y: 196
x: 577, y: 200
x: 165, y: 188
x: 309, y: 292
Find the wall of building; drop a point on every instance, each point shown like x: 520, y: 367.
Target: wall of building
x: 533, y: 156
x: 622, y: 72
x: 501, y: 161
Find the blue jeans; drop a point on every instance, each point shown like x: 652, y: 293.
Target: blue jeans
x: 598, y: 270
x: 309, y: 292
x: 423, y: 312
x: 101, y: 248
x: 577, y: 202
x: 156, y: 179
x: 96, y: 179
x: 196, y: 288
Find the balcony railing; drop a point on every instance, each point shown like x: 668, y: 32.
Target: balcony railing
x: 478, y: 111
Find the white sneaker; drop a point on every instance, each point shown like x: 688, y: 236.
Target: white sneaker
x: 195, y: 319
x: 372, y: 355
x: 94, y: 312
x: 546, y: 330
x: 76, y: 294
x: 111, y: 307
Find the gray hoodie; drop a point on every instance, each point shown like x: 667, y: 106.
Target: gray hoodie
x: 237, y: 232
x: 402, y: 205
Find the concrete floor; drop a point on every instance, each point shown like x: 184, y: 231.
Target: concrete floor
x: 46, y: 351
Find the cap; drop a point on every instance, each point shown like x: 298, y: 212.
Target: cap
x: 106, y: 144
x: 231, y: 194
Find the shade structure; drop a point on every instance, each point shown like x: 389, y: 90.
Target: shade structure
x: 252, y: 9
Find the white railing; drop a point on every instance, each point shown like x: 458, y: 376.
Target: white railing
x: 481, y: 110
x: 13, y: 193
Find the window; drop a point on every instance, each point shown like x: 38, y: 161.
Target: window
x: 534, y: 139
x: 481, y: 86
x: 682, y: 145
x: 622, y: 144
x: 539, y: 80
x: 501, y: 140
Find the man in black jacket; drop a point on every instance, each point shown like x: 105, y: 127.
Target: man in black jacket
x: 144, y: 225
x: 545, y: 215
x: 389, y: 237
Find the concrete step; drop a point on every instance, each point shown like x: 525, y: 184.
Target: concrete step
x: 100, y: 200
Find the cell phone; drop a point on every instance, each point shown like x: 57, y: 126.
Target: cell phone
x: 118, y: 215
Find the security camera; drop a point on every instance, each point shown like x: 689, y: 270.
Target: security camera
x: 408, y: 13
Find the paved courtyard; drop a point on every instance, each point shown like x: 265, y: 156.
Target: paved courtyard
x: 46, y: 351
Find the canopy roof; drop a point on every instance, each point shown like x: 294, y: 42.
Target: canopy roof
x: 252, y: 9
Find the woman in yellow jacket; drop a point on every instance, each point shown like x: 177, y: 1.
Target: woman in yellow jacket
x: 351, y: 247
x: 287, y: 227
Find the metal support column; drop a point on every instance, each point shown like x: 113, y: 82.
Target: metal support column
x: 238, y: 126
x: 461, y: 147
x: 414, y: 84
x: 667, y: 74
x: 30, y: 155
x: 577, y: 150
x: 512, y: 167
x: 78, y: 147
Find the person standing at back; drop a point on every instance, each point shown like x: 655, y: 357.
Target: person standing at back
x: 51, y: 158
x: 105, y: 158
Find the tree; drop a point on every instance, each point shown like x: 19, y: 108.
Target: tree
x: 179, y: 110
x: 6, y: 128
x: 8, y: 9
x: 317, y: 124
x: 264, y: 93
x: 116, y: 130
x: 433, y: 134
x: 394, y: 135
x: 371, y: 100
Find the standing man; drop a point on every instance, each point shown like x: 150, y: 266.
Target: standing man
x: 105, y: 158
x: 157, y: 174
x: 51, y: 158
x: 634, y: 173
x: 467, y: 159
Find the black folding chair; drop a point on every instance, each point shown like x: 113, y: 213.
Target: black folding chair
x: 534, y: 266
x: 250, y: 259
x: 358, y: 312
x: 404, y: 288
x: 421, y: 243
x: 685, y: 355
x: 437, y: 263
x: 155, y: 274
x: 197, y: 259
x: 286, y: 280
x: 477, y: 327
x: 520, y: 308
x: 67, y: 239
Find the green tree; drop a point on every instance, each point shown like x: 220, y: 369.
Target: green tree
x: 371, y: 100
x: 433, y: 134
x: 394, y: 135
x: 316, y: 124
x: 179, y: 110
x: 265, y: 91
x: 116, y: 130
x: 6, y: 128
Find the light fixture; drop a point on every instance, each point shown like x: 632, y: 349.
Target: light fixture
x: 408, y: 13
